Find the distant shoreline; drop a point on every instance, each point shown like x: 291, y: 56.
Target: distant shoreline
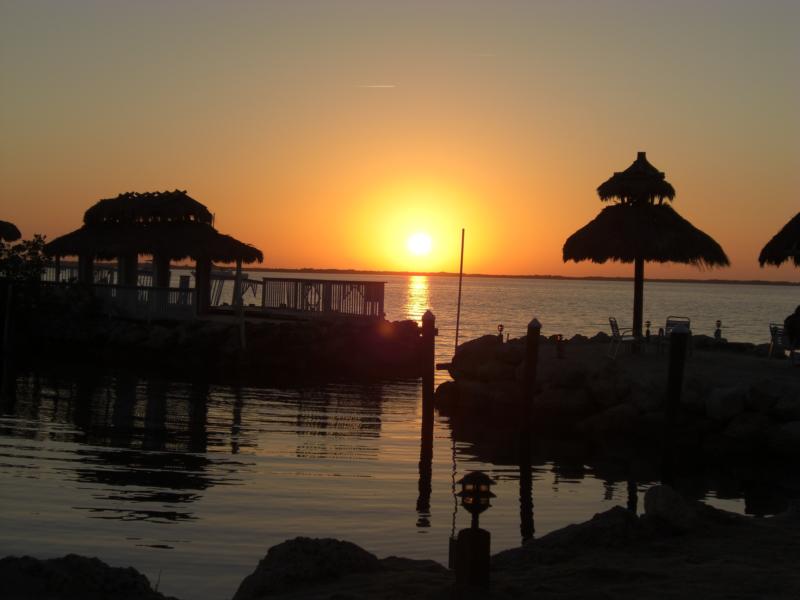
x: 490, y: 276
x: 309, y: 270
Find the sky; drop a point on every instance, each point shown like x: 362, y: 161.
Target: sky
x: 327, y: 133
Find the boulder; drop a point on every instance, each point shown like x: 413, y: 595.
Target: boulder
x: 72, y: 577
x: 785, y: 439
x: 787, y: 408
x: 615, y: 420
x: 472, y: 354
x: 494, y: 370
x: 750, y: 428
x: 570, y: 377
x: 600, y: 337
x: 763, y: 395
x: 511, y: 353
x: 666, y: 508
x: 722, y: 404
x: 303, y: 561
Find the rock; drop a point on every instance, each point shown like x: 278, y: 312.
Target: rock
x: 786, y: 438
x: 600, y: 337
x: 749, y: 428
x: 578, y: 339
x: 72, y: 577
x: 665, y: 507
x: 786, y: 409
x: 722, y: 404
x: 473, y: 393
x: 511, y: 353
x: 570, y: 377
x: 763, y: 395
x: 614, y: 528
x: 302, y: 561
x: 472, y: 354
x: 647, y: 397
x: 615, y: 420
x: 494, y: 370
x: 446, y: 395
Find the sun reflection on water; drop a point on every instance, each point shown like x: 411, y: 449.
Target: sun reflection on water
x: 418, y: 298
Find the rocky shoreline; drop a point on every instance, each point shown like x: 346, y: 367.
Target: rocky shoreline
x: 675, y: 549
x: 734, y: 401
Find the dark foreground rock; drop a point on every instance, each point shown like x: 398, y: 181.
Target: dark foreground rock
x: 309, y: 568
x: 677, y: 549
x: 72, y: 577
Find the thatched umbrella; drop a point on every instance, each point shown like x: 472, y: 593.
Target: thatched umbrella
x: 640, y: 228
x: 9, y: 232
x: 167, y: 225
x: 784, y: 245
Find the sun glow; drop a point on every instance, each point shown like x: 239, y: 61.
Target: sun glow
x: 419, y: 244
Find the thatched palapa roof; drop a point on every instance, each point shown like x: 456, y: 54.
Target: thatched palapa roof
x: 9, y: 232
x: 639, y: 182
x: 169, y: 224
x: 653, y: 232
x: 147, y: 207
x: 784, y: 245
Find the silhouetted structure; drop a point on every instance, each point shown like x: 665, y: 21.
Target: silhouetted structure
x: 166, y: 225
x: 784, y: 245
x: 9, y: 232
x: 641, y: 227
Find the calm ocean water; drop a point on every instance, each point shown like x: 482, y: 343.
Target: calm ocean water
x: 193, y: 482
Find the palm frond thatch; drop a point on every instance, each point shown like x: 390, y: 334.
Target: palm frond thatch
x: 784, y: 245
x: 9, y: 232
x: 624, y: 232
x: 147, y: 207
x: 639, y: 182
x: 175, y: 240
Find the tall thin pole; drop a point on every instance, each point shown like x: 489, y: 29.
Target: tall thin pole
x: 460, y: 278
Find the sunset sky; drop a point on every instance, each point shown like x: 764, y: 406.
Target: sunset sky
x: 327, y: 133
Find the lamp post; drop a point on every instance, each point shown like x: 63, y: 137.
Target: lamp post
x: 473, y: 544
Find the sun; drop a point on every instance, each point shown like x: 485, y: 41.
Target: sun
x: 419, y: 244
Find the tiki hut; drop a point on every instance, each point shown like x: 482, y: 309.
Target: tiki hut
x: 640, y: 227
x: 165, y: 225
x: 785, y: 245
x: 9, y: 232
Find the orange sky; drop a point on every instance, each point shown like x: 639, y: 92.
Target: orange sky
x: 326, y: 133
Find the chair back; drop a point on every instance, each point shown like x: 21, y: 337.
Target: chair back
x: 673, y: 322
x: 614, y: 327
x: 777, y: 335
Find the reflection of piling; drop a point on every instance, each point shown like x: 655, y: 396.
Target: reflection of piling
x: 525, y: 486
x: 426, y: 433
x: 525, y: 476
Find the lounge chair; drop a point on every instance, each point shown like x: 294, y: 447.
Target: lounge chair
x: 618, y: 337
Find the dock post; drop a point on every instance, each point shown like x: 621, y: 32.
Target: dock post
x: 678, y: 346
x: 531, y: 363
x: 7, y: 320
x: 426, y: 433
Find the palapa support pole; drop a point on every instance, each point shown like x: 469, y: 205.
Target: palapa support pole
x: 86, y: 269
x: 202, y: 283
x: 7, y: 320
x: 128, y: 269
x: 58, y: 269
x: 238, y: 303
x: 638, y: 304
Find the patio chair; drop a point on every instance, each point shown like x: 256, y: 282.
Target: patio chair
x: 779, y: 343
x: 618, y: 337
x: 671, y: 323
